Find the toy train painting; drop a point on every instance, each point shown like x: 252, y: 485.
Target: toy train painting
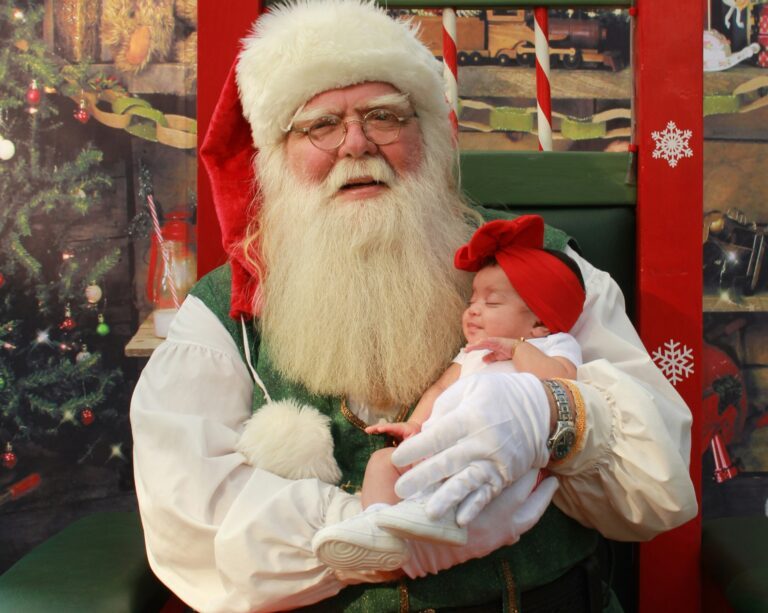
x: 506, y: 38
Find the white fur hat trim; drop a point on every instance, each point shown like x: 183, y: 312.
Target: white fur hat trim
x: 290, y: 440
x: 298, y: 50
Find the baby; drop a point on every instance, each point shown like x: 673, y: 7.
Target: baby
x: 524, y: 299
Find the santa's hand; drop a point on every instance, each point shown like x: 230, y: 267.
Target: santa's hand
x: 485, y: 432
x: 515, y: 511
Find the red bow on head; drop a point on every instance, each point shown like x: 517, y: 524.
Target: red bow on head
x: 546, y: 284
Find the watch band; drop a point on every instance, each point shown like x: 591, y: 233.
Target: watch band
x: 578, y: 410
x: 561, y: 400
x: 564, y: 436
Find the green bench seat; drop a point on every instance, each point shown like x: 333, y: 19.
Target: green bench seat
x: 95, y: 565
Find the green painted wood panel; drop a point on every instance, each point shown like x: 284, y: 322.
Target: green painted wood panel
x: 547, y: 179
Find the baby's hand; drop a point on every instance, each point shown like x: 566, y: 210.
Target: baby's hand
x: 400, y: 430
x: 500, y: 348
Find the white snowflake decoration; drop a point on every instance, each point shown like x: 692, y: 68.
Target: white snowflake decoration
x: 672, y: 144
x: 674, y: 360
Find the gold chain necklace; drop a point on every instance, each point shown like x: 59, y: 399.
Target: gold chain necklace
x: 359, y: 423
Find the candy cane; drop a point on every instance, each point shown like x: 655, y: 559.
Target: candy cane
x: 724, y: 468
x: 163, y: 250
x: 543, y: 95
x: 450, y: 69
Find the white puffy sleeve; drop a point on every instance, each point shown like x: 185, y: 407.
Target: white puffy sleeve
x: 630, y: 480
x: 220, y: 534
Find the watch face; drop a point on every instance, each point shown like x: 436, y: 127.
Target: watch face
x: 563, y: 443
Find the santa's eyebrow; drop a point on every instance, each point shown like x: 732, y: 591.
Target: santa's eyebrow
x: 309, y: 115
x: 397, y: 102
x: 394, y: 101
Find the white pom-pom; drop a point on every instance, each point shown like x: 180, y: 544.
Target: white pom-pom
x: 7, y: 149
x: 290, y: 440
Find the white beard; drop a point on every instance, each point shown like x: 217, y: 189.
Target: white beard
x: 361, y: 298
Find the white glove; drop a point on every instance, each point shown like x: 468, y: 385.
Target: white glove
x: 515, y: 511
x: 485, y: 484
x: 485, y: 432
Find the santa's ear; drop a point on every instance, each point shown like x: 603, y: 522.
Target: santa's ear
x: 539, y: 330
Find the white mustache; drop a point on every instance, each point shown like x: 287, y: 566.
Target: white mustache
x: 347, y: 170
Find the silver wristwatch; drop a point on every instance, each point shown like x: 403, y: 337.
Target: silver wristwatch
x: 562, y: 440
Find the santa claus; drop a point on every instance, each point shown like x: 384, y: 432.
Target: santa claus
x: 334, y: 174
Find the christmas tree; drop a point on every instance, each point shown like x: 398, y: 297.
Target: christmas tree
x: 55, y: 387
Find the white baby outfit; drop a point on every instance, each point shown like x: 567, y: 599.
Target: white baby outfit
x: 373, y: 539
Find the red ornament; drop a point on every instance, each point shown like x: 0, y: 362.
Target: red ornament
x: 2, y: 279
x: 9, y: 457
x: 68, y: 324
x: 87, y: 416
x: 33, y: 93
x: 82, y: 114
x: 762, y: 37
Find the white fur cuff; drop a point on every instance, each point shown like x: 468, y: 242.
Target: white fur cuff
x: 305, y: 47
x: 290, y: 440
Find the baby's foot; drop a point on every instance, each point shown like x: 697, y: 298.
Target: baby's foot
x: 358, y: 543
x: 409, y: 520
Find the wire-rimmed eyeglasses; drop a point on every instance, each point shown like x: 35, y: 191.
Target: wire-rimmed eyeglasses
x: 380, y: 126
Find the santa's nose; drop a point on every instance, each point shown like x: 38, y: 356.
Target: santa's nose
x: 356, y: 143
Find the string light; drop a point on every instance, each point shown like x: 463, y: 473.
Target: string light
x: 116, y: 451
x: 68, y: 415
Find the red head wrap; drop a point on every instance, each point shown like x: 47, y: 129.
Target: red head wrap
x: 546, y: 284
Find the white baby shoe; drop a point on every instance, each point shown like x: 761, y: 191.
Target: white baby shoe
x: 409, y: 520
x: 358, y: 543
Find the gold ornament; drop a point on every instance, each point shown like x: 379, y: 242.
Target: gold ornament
x: 93, y: 293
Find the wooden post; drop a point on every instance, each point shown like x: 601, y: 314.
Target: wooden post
x: 48, y: 25
x: 669, y: 99
x: 219, y: 37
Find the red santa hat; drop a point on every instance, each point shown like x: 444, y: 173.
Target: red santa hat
x: 293, y: 53
x: 545, y: 283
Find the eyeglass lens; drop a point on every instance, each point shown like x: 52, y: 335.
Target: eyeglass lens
x: 380, y: 126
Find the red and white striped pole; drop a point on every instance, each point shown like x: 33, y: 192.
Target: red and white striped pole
x: 450, y: 67
x: 543, y: 95
x: 163, y: 248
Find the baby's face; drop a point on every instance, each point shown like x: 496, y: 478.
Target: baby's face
x: 496, y: 309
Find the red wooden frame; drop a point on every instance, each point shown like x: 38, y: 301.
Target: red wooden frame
x: 221, y: 26
x: 668, y: 62
x: 668, y: 74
